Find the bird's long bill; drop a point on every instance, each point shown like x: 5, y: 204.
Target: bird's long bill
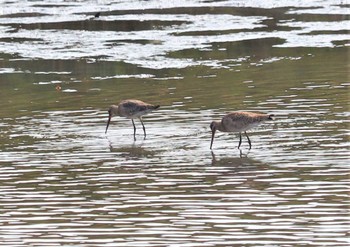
x: 109, y: 120
x: 212, y: 138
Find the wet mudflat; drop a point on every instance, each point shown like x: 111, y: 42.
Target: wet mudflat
x: 63, y: 182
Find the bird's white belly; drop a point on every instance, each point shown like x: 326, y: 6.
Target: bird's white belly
x: 137, y: 114
x: 245, y: 127
x: 251, y: 126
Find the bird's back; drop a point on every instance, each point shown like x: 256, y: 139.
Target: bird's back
x: 242, y: 121
x: 135, y: 108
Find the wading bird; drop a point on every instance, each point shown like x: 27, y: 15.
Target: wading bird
x: 131, y: 109
x: 238, y: 122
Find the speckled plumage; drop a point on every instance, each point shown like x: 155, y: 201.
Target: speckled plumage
x: 238, y: 122
x: 131, y: 109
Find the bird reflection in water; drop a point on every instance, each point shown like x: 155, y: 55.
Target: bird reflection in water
x: 241, y: 155
x: 133, y: 151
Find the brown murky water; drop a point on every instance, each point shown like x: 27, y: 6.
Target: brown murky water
x: 63, y: 182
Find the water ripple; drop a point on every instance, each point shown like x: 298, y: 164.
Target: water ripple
x: 64, y: 182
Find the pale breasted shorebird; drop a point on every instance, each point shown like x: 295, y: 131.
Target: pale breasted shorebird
x: 238, y: 122
x: 131, y: 109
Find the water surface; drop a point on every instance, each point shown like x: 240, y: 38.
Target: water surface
x: 63, y: 182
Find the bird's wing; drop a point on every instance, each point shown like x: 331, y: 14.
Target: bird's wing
x: 132, y: 107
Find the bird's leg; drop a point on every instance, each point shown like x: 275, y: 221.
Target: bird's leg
x: 143, y: 126
x: 240, y: 140
x: 132, y: 120
x: 250, y: 144
x: 240, y: 153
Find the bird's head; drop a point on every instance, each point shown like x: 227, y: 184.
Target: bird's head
x: 112, y: 111
x: 213, y: 126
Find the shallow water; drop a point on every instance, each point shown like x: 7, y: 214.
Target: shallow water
x: 63, y: 182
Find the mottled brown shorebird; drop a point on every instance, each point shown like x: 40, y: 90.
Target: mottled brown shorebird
x: 239, y: 122
x: 131, y: 109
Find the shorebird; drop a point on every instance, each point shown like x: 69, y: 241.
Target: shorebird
x: 238, y: 122
x: 131, y: 109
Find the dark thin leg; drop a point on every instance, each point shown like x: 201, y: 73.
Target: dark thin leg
x: 240, y: 140
x: 250, y: 144
x: 132, y: 120
x: 144, y: 129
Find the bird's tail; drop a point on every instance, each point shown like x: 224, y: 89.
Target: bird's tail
x: 156, y: 106
x: 270, y: 117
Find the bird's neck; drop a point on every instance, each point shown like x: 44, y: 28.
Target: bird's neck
x: 115, y: 111
x: 220, y: 127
